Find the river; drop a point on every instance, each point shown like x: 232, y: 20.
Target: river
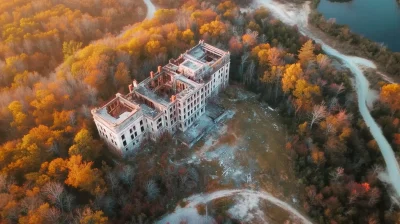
x: 376, y: 20
x: 294, y: 15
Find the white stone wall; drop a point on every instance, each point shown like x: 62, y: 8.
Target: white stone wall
x: 125, y: 140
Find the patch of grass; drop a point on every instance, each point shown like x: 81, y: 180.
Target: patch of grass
x: 183, y: 204
x: 201, y: 209
x: 221, y: 206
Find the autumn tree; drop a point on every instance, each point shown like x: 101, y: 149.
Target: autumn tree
x: 93, y: 217
x: 292, y: 74
x: 20, y: 117
x: 38, y: 215
x: 70, y: 47
x: 154, y: 48
x: 306, y: 53
x: 304, y: 93
x: 235, y: 45
x: 390, y: 94
x: 122, y: 77
x: 203, y: 16
x: 215, y: 28
x: 85, y: 145
x: 81, y: 175
x: 318, y: 113
x: 44, y: 104
x: 250, y: 39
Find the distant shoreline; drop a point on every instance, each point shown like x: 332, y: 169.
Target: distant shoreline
x: 355, y: 44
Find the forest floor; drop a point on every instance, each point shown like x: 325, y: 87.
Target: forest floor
x: 246, y: 150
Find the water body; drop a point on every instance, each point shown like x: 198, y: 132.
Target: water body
x: 376, y: 20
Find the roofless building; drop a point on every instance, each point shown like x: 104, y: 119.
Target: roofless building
x: 168, y: 100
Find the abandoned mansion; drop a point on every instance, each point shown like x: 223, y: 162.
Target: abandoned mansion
x: 169, y: 100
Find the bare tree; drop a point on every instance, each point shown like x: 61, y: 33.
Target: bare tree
x: 240, y: 20
x: 53, y: 191
x: 56, y: 193
x: 152, y: 190
x: 333, y: 104
x: 243, y: 61
x: 72, y: 118
x: 318, y: 113
x: 193, y: 174
x: 264, y: 22
x: 30, y: 203
x: 53, y: 215
x: 140, y: 219
x: 249, y: 74
x: 330, y: 129
x: 126, y: 175
x: 336, y: 174
x: 374, y: 196
x: 112, y: 181
x: 263, y: 39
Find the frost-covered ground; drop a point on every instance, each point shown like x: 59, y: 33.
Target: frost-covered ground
x: 244, y: 151
x: 247, y: 208
x: 293, y: 15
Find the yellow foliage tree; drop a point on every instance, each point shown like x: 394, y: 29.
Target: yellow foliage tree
x: 57, y: 168
x: 20, y: 118
x: 70, y: 47
x: 214, y: 28
x: 85, y: 145
x: 318, y: 157
x: 390, y: 94
x: 203, y: 16
x: 258, y: 48
x: 249, y: 40
x: 306, y: 53
x: 302, y: 128
x: 304, y: 93
x: 187, y: 36
x: 292, y: 74
x: 273, y: 75
x: 154, y: 47
x: 90, y: 217
x: 36, y: 216
x: 82, y: 176
x: 122, y: 75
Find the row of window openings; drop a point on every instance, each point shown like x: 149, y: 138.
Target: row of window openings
x: 105, y: 135
x: 170, y: 109
x: 133, y: 144
x: 190, y: 112
x: 189, y: 106
x: 188, y: 122
x: 133, y: 136
x: 195, y: 113
x: 172, y: 120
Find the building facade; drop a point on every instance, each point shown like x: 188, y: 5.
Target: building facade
x: 169, y: 100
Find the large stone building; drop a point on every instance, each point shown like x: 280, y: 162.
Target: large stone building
x: 168, y: 100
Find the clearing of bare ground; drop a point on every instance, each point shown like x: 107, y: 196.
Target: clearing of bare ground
x: 246, y: 150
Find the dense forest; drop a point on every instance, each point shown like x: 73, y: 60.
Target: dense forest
x: 54, y: 168
x: 37, y: 35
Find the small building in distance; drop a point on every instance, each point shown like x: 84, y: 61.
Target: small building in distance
x: 168, y: 100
